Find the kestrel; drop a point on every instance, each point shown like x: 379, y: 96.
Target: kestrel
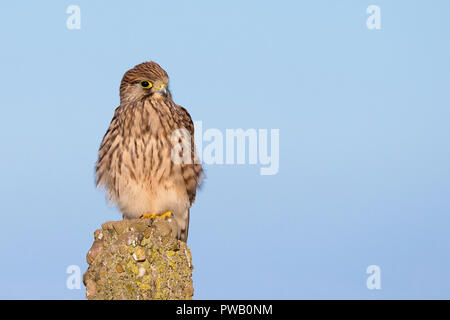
x: 139, y: 158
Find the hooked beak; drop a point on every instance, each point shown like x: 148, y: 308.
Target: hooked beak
x: 162, y: 88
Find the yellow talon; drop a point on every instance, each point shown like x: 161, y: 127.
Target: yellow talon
x: 148, y: 216
x: 167, y: 214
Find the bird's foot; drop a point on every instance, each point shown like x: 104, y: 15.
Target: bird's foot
x: 167, y: 214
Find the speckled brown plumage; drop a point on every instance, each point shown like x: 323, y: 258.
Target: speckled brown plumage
x: 135, y: 162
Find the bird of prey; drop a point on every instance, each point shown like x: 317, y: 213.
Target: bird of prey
x: 142, y: 163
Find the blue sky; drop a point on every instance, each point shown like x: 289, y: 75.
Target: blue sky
x: 363, y: 115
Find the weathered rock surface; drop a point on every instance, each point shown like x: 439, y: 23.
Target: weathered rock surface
x: 138, y: 259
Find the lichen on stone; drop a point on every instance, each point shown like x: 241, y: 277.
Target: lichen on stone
x: 138, y: 259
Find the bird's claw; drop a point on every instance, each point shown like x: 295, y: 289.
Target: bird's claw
x: 167, y: 214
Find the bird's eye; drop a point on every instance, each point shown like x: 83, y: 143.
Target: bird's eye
x: 146, y: 84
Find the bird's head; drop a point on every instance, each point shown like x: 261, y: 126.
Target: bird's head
x: 144, y: 80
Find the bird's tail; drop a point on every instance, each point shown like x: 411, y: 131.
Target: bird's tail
x: 183, y: 233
